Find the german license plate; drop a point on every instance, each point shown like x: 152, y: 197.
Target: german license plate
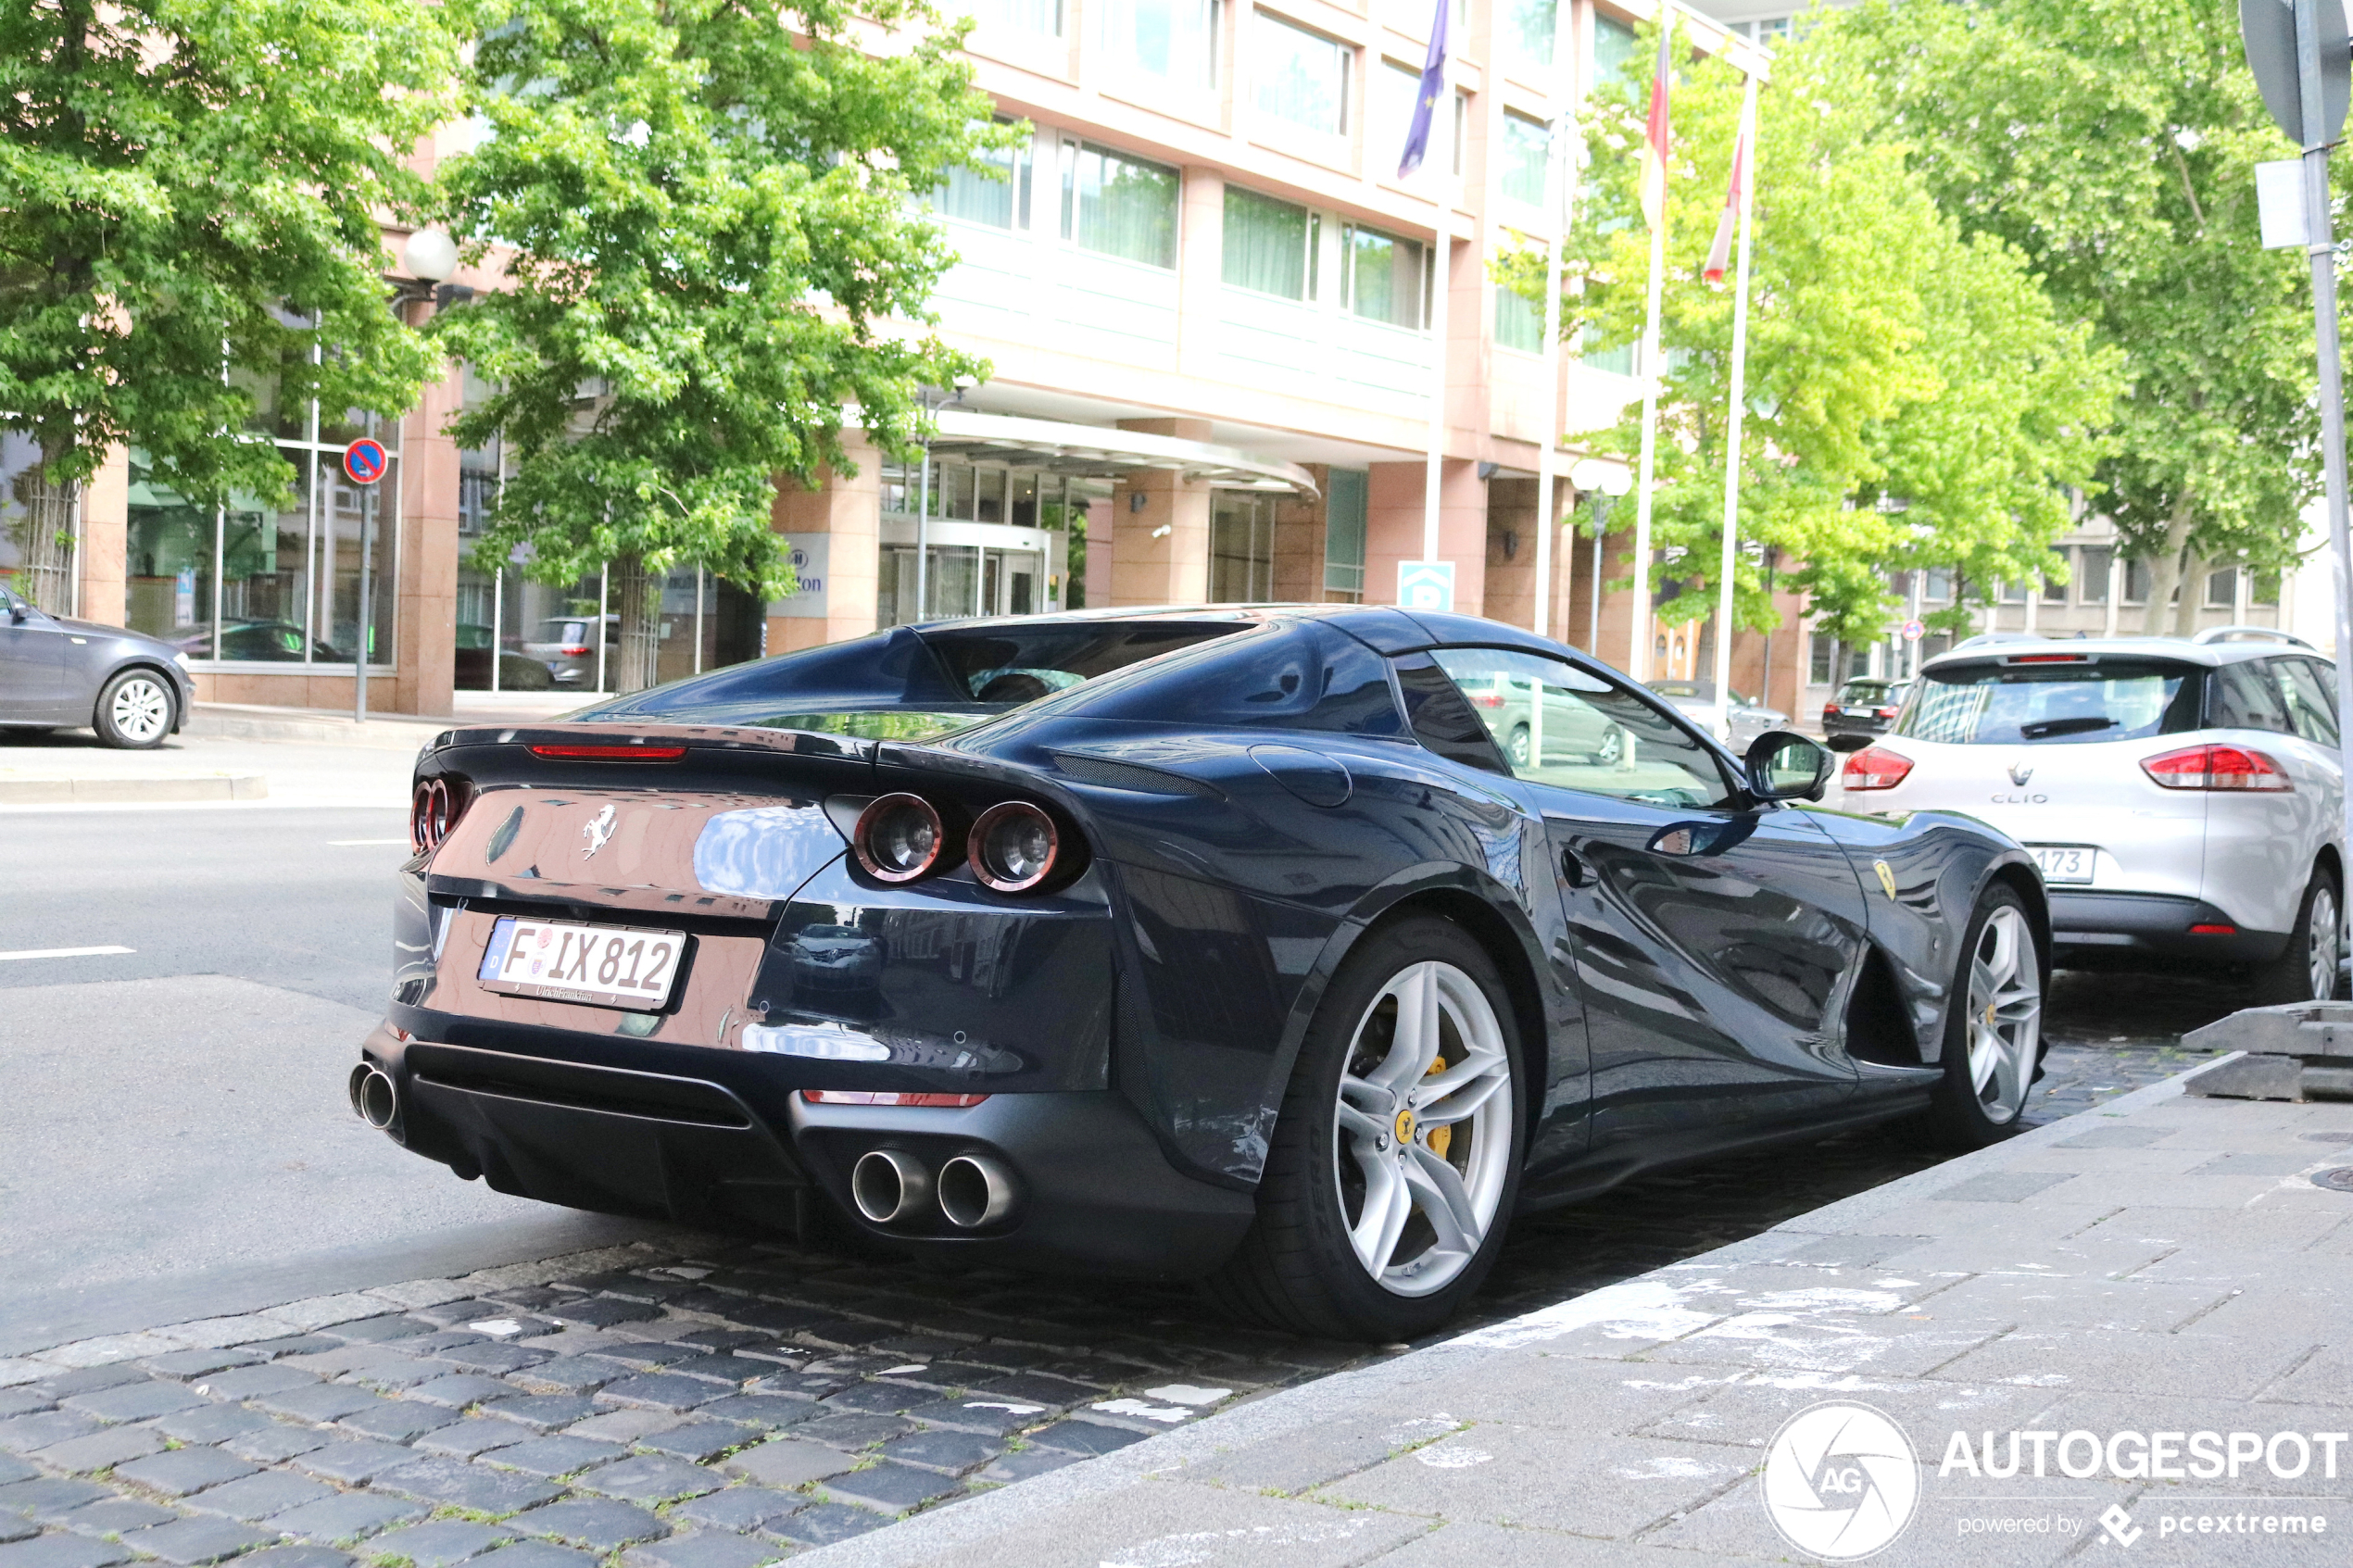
x: 563, y: 960
x: 2064, y: 863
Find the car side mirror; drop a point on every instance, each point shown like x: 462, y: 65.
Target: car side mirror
x: 1784, y: 765
x: 17, y: 612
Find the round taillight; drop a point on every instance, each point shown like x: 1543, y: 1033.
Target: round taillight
x: 899, y: 837
x: 1014, y: 847
x: 429, y: 816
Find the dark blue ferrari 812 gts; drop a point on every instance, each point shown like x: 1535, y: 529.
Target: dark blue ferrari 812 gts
x: 1294, y: 949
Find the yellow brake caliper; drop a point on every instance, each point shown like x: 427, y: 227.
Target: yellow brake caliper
x: 1439, y: 1137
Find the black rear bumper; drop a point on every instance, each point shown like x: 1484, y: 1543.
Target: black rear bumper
x: 1095, y: 1191
x: 2154, y: 925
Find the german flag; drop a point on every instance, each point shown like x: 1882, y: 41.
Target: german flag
x: 1655, y: 136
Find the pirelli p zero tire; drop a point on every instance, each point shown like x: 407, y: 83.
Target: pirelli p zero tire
x: 1992, y: 1027
x: 1396, y: 1159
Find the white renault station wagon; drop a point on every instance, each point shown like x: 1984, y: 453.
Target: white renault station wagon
x: 2181, y: 796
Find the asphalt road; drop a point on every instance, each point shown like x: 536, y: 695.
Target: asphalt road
x: 180, y: 1144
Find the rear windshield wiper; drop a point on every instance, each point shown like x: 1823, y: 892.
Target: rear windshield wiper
x: 2043, y: 729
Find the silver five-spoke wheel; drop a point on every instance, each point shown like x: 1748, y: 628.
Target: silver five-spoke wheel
x: 2320, y: 958
x: 1422, y: 1141
x: 2004, y: 1012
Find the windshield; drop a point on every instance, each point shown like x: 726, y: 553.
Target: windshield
x: 2004, y: 705
x: 1016, y: 664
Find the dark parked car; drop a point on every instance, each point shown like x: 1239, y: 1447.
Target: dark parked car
x: 517, y: 671
x: 1865, y: 708
x: 56, y: 673
x: 1249, y: 954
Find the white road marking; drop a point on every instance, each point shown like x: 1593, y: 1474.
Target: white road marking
x: 66, y: 953
x: 365, y: 843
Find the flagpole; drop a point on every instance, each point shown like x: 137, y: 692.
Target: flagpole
x: 1556, y: 189
x: 1744, y: 156
x: 1441, y: 256
x: 1637, y: 663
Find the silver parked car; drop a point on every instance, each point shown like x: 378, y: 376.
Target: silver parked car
x: 1696, y: 701
x: 1565, y: 729
x: 2181, y: 797
x: 56, y: 673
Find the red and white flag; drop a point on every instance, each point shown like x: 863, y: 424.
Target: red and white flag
x: 1655, y: 138
x: 1719, y: 255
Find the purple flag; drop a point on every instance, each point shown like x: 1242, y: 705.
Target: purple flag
x: 1432, y: 88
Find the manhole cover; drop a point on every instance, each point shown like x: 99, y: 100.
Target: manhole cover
x: 2338, y: 1180
x: 2334, y: 1136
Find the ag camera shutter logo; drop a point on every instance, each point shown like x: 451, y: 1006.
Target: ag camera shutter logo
x: 1840, y: 1481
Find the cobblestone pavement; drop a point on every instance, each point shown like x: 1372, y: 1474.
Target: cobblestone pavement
x: 723, y: 1404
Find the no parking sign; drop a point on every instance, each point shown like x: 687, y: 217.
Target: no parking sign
x: 364, y: 461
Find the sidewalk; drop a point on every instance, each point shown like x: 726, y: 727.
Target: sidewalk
x: 2161, y: 1270
x: 402, y: 731
x: 72, y: 770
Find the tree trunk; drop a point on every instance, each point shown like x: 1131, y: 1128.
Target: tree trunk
x: 44, y: 538
x: 2165, y: 569
x: 636, y: 594
x: 2194, y: 569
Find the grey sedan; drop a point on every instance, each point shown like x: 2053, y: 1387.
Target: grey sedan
x: 131, y: 688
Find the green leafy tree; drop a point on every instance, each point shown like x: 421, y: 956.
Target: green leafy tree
x: 1914, y: 401
x: 189, y: 197
x: 2113, y: 145
x: 706, y: 215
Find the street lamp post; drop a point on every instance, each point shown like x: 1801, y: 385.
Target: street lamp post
x: 1605, y: 479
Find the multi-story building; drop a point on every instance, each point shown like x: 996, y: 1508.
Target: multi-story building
x: 1207, y: 298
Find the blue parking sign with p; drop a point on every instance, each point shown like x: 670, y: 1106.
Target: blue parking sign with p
x: 1426, y: 584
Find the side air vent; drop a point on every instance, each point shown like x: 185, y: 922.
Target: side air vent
x: 1104, y: 773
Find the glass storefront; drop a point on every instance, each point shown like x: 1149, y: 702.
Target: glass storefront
x: 998, y: 539
x: 254, y: 583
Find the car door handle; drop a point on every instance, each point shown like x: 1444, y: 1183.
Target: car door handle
x: 1573, y: 870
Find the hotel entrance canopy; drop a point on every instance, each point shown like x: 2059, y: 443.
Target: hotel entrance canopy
x: 1094, y: 451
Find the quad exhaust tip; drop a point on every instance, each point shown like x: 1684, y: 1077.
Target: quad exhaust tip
x: 975, y: 1191
x: 373, y: 1098
x: 890, y: 1186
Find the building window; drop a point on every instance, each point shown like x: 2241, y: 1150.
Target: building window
x: 1525, y: 150
x: 1172, y: 41
x: 1302, y: 77
x: 2091, y: 579
x: 1119, y: 206
x: 2137, y: 582
x: 1386, y: 278
x: 1821, y: 659
x: 2265, y: 590
x: 1617, y: 360
x: 1527, y: 31
x: 1270, y: 246
x: 2054, y: 592
x: 2012, y: 592
x: 1390, y: 99
x: 1042, y: 18
x: 1345, y: 492
x: 1937, y: 585
x: 1519, y: 324
x: 993, y: 190
x: 1241, y: 547
x: 2222, y: 588
x: 1613, y: 51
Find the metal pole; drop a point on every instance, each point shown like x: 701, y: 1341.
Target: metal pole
x: 702, y: 576
x: 1558, y: 185
x: 2321, y: 244
x: 923, y: 536
x: 359, y: 633
x: 1441, y: 260
x: 1593, y: 616
x: 498, y: 624
x: 1637, y: 663
x: 1743, y: 147
x: 604, y: 595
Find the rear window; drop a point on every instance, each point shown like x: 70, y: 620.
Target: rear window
x: 1014, y: 664
x: 2052, y: 704
x: 1861, y: 693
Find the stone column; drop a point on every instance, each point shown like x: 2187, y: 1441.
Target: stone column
x: 835, y: 531
x: 100, y: 564
x: 424, y: 611
x: 1162, y: 542
x: 1200, y: 270
x: 1394, y: 530
x: 1101, y: 535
